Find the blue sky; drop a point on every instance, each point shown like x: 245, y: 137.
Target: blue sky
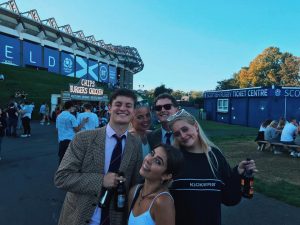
x: 186, y: 45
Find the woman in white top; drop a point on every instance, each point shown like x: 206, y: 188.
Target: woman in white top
x: 151, y: 202
x: 140, y: 125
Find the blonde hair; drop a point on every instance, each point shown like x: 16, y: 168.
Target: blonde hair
x: 205, y: 144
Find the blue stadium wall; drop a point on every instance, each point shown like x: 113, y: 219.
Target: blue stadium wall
x: 14, y: 51
x: 251, y: 106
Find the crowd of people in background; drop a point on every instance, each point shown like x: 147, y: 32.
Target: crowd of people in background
x: 282, y: 131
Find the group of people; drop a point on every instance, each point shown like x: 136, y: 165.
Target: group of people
x: 14, y: 116
x: 17, y: 116
x: 282, y: 131
x: 172, y: 175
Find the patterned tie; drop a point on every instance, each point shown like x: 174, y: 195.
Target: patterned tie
x: 168, y: 138
x: 114, y: 166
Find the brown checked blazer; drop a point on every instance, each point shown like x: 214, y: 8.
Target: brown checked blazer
x: 81, y: 174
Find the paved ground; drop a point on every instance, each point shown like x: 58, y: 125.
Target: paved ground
x: 28, y: 196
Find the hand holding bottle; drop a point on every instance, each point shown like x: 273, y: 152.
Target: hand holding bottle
x: 247, y: 179
x: 111, y: 180
x: 246, y: 165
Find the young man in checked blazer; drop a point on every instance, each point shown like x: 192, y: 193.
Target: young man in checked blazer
x: 83, y: 171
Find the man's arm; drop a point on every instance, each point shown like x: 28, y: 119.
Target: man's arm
x: 71, y: 176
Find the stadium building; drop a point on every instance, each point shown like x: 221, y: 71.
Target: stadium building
x: 28, y: 41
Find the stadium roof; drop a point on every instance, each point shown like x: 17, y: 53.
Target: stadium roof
x: 47, y: 29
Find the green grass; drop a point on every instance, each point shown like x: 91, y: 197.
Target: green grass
x: 280, y: 190
x: 38, y: 84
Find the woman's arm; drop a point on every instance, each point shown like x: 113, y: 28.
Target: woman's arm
x: 163, y: 210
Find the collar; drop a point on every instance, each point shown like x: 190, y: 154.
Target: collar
x: 110, y: 131
x: 163, y: 131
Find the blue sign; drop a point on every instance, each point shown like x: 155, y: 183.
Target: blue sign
x: 103, y: 73
x: 112, y: 75
x: 51, y: 60
x: 255, y: 92
x: 32, y: 54
x: 67, y: 64
x: 93, y: 70
x: 9, y: 50
x: 81, y: 67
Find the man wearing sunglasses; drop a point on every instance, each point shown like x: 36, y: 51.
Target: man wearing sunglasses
x: 165, y: 105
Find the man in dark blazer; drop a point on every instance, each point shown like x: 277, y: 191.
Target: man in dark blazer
x: 83, y: 171
x: 165, y: 105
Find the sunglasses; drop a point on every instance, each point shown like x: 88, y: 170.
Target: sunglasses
x: 166, y: 107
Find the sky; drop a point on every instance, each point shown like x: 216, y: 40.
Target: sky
x: 186, y: 45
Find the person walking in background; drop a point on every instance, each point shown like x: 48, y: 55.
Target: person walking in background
x: 141, y: 123
x: 12, y: 115
x: 91, y: 164
x: 165, y: 105
x: 206, y: 180
x: 26, y: 110
x: 67, y: 126
x: 103, y: 114
x: 2, y: 128
x: 42, y: 113
x: 19, y: 123
x: 46, y: 115
x: 92, y: 119
x: 151, y: 202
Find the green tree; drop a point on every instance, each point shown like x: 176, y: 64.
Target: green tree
x: 178, y: 94
x: 268, y: 68
x: 271, y: 67
x: 195, y: 94
x: 161, y: 89
x: 230, y: 83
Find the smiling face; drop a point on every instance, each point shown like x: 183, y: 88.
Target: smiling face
x: 142, y: 119
x: 121, y: 110
x: 154, y: 165
x: 185, y: 133
x: 164, y: 108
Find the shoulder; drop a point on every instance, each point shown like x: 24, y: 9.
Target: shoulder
x: 163, y: 202
x: 90, y: 134
x: 154, y: 133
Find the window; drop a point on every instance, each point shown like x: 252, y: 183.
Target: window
x: 223, y: 105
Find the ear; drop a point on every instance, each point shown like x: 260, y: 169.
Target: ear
x: 167, y: 177
x: 196, y: 127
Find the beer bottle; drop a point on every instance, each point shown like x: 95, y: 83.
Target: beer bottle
x: 105, y: 197
x: 120, y: 195
x: 247, y: 183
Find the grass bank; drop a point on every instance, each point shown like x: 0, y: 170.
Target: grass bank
x: 37, y: 84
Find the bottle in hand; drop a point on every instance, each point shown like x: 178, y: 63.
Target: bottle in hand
x: 120, y: 195
x: 105, y: 197
x: 247, y: 183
